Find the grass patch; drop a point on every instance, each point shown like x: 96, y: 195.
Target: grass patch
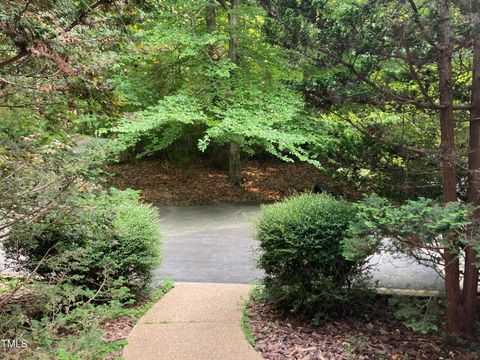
x: 247, y: 331
x: 255, y: 295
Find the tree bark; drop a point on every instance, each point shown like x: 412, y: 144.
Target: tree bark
x: 470, y: 282
x: 211, y: 22
x: 447, y: 126
x: 235, y: 165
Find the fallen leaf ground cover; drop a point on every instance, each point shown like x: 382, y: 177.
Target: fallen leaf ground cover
x: 280, y: 336
x: 165, y: 183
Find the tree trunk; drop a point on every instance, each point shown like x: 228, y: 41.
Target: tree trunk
x: 235, y: 165
x: 449, y: 186
x: 211, y: 22
x: 235, y: 168
x: 470, y: 282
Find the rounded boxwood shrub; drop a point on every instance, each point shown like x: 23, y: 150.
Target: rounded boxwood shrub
x: 106, y: 241
x: 301, y: 254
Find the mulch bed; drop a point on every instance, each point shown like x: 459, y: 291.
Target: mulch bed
x: 163, y: 182
x: 280, y: 337
x: 117, y: 329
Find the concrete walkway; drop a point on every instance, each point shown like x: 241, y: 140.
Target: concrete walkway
x: 193, y: 321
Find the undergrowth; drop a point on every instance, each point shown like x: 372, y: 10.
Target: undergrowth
x: 76, y: 335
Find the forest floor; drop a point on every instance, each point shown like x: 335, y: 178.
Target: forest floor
x: 164, y: 183
x: 280, y: 336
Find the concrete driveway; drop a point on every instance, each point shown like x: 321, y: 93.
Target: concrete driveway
x: 208, y: 243
x: 214, y: 243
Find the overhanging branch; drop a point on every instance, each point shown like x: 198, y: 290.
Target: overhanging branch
x: 20, y: 55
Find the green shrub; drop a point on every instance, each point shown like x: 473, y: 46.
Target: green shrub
x: 301, y: 254
x: 108, y: 242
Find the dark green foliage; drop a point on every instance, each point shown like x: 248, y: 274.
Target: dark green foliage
x: 371, y: 70
x: 57, y: 41
x: 107, y: 241
x: 418, y: 228
x: 301, y: 253
x: 419, y: 314
x: 57, y: 324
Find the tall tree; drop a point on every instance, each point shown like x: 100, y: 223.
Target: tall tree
x: 471, y: 256
x: 455, y: 315
x: 235, y: 164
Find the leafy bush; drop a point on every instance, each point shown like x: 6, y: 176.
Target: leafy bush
x: 107, y: 241
x: 301, y: 254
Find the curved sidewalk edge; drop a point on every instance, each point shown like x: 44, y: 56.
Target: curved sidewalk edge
x: 198, y: 321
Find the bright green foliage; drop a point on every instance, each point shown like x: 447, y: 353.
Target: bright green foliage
x: 248, y: 102
x: 160, y: 125
x: 253, y: 116
x: 301, y: 254
x: 104, y: 243
x: 420, y: 228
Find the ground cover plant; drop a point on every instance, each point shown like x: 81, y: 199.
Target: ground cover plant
x: 50, y: 326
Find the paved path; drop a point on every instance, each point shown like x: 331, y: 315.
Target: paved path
x: 214, y: 244
x: 193, y: 321
x: 208, y: 243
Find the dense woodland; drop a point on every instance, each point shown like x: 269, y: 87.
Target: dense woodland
x: 382, y: 97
